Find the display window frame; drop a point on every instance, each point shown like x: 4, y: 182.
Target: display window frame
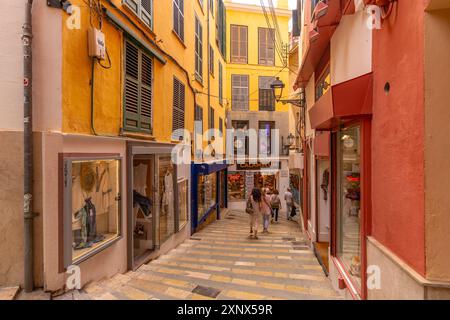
x: 143, y: 150
x: 65, y: 235
x: 214, y: 191
x: 357, y: 291
x: 179, y: 226
x: 243, y: 192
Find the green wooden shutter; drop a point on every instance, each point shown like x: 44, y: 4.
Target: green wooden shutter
x: 178, y: 105
x: 138, y: 93
x: 131, y: 112
x: 146, y: 93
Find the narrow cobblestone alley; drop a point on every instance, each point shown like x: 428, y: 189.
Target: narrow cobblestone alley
x: 221, y: 262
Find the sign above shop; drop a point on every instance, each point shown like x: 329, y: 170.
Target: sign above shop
x: 256, y: 166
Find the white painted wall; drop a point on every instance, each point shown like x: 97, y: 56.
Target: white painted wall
x: 351, y: 48
x: 12, y: 17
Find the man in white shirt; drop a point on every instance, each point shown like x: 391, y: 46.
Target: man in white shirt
x: 289, y: 203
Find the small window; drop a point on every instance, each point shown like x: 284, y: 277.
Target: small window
x: 142, y: 8
x: 178, y: 18
x: 178, y: 105
x: 266, y: 40
x: 239, y: 44
x: 265, y: 137
x: 221, y: 125
x: 241, y: 140
x: 239, y: 94
x: 266, y: 96
x: 198, y: 50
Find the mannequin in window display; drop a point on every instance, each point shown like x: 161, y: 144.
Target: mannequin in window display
x: 90, y: 184
x: 167, y: 205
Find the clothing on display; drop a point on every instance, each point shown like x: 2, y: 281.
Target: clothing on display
x: 144, y: 203
x: 94, y: 203
x: 87, y: 215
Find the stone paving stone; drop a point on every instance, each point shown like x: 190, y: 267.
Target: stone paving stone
x: 135, y: 294
x: 220, y: 257
x: 9, y: 293
x: 106, y: 296
x: 244, y: 295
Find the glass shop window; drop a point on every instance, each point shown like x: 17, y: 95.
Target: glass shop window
x: 206, y: 193
x: 183, y: 203
x: 92, y: 206
x: 166, y: 197
x: 236, y: 186
x: 349, y: 202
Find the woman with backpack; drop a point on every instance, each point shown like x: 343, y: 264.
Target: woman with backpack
x: 254, y: 209
x: 275, y: 203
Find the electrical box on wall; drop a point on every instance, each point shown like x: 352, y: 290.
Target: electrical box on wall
x: 97, y: 44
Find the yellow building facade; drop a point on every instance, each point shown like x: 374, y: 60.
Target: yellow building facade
x: 112, y: 80
x: 178, y: 52
x: 257, y: 54
x: 252, y: 17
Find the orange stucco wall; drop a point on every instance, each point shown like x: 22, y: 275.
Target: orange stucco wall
x: 398, y: 134
x: 108, y: 96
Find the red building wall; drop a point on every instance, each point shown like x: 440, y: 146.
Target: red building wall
x: 398, y: 134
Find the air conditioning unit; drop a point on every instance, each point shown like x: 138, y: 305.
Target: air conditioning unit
x: 97, y: 44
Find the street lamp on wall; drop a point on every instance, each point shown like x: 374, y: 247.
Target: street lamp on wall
x: 277, y: 87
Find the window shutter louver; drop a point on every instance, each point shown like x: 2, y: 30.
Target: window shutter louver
x: 239, y: 43
x: 147, y: 12
x: 178, y: 18
x: 239, y: 91
x: 178, y: 105
x: 146, y: 93
x: 138, y: 89
x: 266, y: 46
x: 131, y: 87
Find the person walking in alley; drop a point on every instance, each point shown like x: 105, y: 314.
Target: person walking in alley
x: 266, y: 210
x: 289, y: 203
x: 275, y: 203
x: 254, y: 207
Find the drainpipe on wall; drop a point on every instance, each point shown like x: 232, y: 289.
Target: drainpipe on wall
x: 28, y: 149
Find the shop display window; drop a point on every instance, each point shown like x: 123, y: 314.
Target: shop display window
x: 236, y: 186
x: 166, y: 176
x: 92, y: 208
x: 183, y: 203
x: 143, y: 205
x: 263, y: 180
x: 207, y: 193
x: 349, y: 205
